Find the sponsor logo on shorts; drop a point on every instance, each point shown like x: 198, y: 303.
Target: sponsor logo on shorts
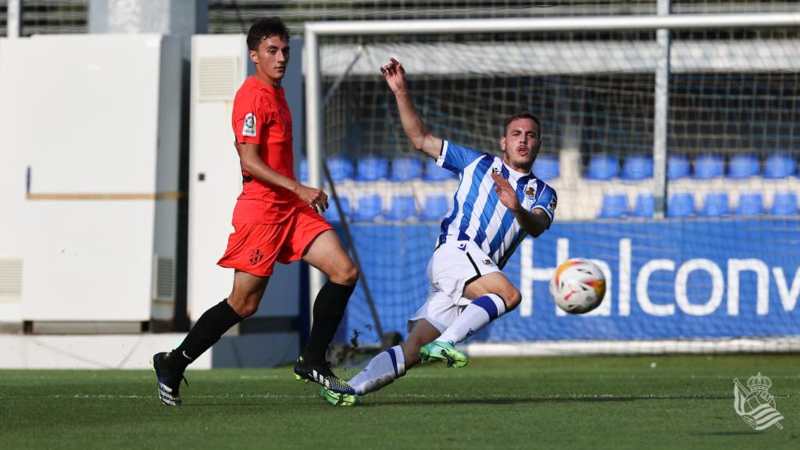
x: 487, y: 261
x: 256, y: 256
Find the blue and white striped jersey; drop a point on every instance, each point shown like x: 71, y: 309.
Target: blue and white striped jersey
x: 477, y: 213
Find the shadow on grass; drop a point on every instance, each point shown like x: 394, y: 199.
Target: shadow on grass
x: 221, y: 405
x: 417, y: 400
x: 728, y: 433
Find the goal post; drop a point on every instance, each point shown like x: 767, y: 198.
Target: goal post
x: 590, y: 60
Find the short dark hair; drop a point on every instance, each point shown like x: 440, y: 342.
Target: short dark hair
x: 522, y: 115
x: 263, y: 29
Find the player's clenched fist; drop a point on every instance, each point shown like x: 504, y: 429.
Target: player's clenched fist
x: 316, y: 198
x: 394, y: 74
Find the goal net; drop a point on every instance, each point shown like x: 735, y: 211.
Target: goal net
x: 699, y: 238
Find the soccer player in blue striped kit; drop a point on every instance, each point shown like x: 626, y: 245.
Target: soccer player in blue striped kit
x: 498, y: 201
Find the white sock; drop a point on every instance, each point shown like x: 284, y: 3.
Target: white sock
x: 475, y: 316
x: 384, y: 368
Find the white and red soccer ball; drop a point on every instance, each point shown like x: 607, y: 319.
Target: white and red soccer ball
x: 578, y: 286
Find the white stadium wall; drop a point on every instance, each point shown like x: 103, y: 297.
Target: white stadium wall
x: 95, y: 128
x: 12, y: 189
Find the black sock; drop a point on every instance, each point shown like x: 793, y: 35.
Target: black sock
x: 328, y: 311
x: 205, y: 333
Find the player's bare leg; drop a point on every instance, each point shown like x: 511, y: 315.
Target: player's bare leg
x: 422, y: 333
x: 247, y: 293
x: 326, y: 254
x: 240, y: 304
x: 386, y: 366
x: 494, y: 283
x: 492, y: 295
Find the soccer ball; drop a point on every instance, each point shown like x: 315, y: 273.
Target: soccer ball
x: 578, y: 286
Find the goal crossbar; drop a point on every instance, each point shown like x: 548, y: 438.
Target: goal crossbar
x: 652, y: 22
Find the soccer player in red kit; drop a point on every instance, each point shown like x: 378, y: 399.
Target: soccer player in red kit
x: 275, y: 219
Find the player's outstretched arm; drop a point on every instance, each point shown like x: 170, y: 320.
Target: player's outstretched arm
x: 413, y: 126
x: 253, y: 164
x: 533, y: 222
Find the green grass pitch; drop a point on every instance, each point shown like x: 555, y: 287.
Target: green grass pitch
x: 642, y: 402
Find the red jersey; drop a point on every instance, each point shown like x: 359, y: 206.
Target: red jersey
x: 261, y: 116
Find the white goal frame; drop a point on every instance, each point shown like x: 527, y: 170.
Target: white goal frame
x: 662, y: 23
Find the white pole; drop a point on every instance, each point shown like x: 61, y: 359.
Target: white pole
x: 314, y: 139
x: 682, y: 21
x: 13, y: 18
x: 661, y: 114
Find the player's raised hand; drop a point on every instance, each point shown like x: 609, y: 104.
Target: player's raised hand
x: 316, y: 198
x: 395, y: 75
x: 506, y: 193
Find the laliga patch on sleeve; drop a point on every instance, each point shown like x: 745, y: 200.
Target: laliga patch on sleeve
x: 249, y: 127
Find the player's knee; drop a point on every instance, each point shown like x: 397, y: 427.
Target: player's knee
x: 511, y: 298
x: 247, y: 310
x: 244, y: 310
x: 244, y: 306
x: 346, y: 274
x: 351, y: 275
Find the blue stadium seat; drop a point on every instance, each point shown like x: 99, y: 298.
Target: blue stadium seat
x: 680, y: 205
x: 784, y: 204
x: 677, y: 166
x: 372, y: 168
x: 709, y: 166
x: 340, y: 167
x: 750, y: 204
x: 405, y: 169
x: 302, y: 171
x: 645, y: 205
x: 614, y: 205
x: 743, y: 166
x: 436, y: 173
x: 368, y: 209
x: 637, y: 167
x: 779, y: 165
x: 602, y: 167
x: 546, y: 167
x: 435, y: 207
x: 332, y: 214
x: 403, y: 207
x: 715, y: 204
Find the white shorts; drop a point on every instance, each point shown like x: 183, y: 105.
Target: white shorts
x: 452, y: 266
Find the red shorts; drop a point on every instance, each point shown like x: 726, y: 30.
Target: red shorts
x: 254, y: 247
